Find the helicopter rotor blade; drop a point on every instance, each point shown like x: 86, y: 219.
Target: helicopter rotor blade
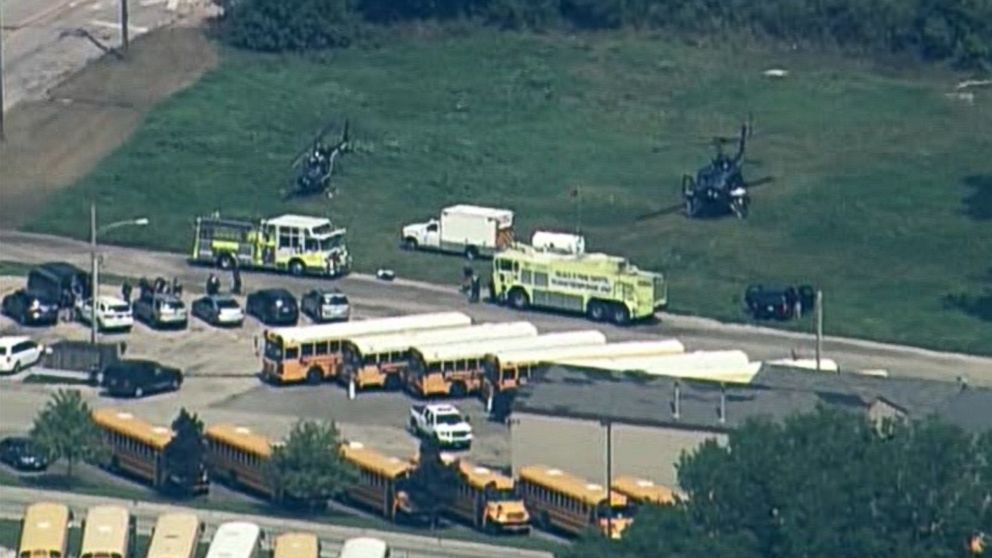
x: 760, y: 182
x: 669, y: 210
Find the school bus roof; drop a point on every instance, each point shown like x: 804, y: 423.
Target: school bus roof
x: 609, y: 350
x: 440, y: 353
x: 234, y: 539
x: 367, y: 458
x: 382, y: 343
x: 240, y: 437
x: 644, y: 490
x: 718, y: 366
x: 176, y: 535
x: 45, y: 528
x: 481, y: 477
x: 342, y: 330
x: 549, y: 477
x: 126, y: 423
x: 296, y: 545
x: 106, y: 531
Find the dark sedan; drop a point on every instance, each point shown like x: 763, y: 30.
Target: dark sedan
x: 273, y: 307
x: 22, y: 454
x: 138, y: 378
x: 31, y: 308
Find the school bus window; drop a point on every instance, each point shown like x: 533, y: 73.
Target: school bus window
x: 292, y: 353
x: 307, y: 349
x: 335, y: 346
x: 320, y: 347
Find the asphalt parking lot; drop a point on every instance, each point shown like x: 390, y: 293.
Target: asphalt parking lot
x: 221, y: 385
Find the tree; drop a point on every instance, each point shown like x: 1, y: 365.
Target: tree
x: 281, y: 25
x: 184, y: 456
x: 308, y: 468
x: 64, y: 429
x: 432, y: 485
x: 824, y: 484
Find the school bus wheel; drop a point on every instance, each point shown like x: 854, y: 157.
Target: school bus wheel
x: 314, y: 375
x: 458, y: 389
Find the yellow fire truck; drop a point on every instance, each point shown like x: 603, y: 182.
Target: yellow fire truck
x: 603, y: 287
x: 295, y: 243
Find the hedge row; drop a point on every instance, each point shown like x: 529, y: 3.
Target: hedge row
x: 957, y: 31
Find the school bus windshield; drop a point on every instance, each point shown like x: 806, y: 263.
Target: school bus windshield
x: 501, y: 495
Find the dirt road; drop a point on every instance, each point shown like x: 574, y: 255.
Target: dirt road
x: 376, y: 297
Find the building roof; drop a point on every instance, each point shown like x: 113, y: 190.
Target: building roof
x: 774, y: 393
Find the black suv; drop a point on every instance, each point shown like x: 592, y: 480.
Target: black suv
x: 31, y: 308
x: 273, y: 307
x: 779, y: 303
x: 137, y: 378
x: 22, y: 454
x: 60, y: 281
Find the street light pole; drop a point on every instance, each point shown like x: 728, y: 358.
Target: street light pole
x: 3, y: 135
x: 609, y: 477
x: 819, y: 327
x: 95, y: 264
x: 95, y: 275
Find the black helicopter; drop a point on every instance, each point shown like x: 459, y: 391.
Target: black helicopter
x: 719, y: 187
x: 316, y: 163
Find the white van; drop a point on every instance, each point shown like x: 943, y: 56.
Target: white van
x: 365, y: 547
x: 18, y: 353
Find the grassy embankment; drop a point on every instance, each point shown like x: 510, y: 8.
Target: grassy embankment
x: 881, y: 193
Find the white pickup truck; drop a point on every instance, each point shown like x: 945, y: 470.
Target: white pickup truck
x: 444, y: 423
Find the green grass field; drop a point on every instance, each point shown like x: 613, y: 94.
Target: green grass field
x: 882, y: 193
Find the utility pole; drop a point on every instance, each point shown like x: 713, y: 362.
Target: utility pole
x: 3, y: 135
x: 609, y: 477
x: 124, y: 28
x: 819, y: 327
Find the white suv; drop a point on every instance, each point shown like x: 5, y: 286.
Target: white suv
x: 18, y: 353
x: 112, y: 313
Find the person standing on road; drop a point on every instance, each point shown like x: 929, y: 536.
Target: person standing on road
x: 126, y: 291
x: 177, y: 287
x: 213, y: 285
x: 236, y: 279
x: 475, y: 288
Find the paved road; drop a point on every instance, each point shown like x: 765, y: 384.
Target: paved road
x: 38, y: 53
x: 376, y: 298
x: 15, y: 500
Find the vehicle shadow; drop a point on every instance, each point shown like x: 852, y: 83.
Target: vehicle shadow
x: 978, y: 202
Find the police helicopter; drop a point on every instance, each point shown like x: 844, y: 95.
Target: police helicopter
x: 719, y: 187
x: 315, y: 164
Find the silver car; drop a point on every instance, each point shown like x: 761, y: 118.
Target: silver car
x: 326, y: 305
x: 219, y: 310
x: 160, y: 310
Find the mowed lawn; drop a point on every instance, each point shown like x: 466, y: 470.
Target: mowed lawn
x: 882, y: 191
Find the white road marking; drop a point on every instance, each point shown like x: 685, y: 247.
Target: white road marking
x: 96, y: 6
x: 146, y: 3
x: 114, y: 25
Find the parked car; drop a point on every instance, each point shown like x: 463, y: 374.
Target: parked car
x: 112, y: 313
x: 444, y: 423
x: 31, y: 307
x: 160, y: 310
x: 219, y: 310
x: 273, y: 307
x: 22, y: 454
x: 323, y: 305
x: 138, y: 378
x: 18, y: 353
x: 60, y: 281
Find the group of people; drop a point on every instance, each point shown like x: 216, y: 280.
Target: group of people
x: 160, y: 285
x: 213, y: 282
x: 471, y: 284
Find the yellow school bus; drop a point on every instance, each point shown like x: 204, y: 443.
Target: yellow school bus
x: 176, y: 535
x: 562, y: 501
x: 106, y: 533
x: 380, y: 481
x: 45, y: 532
x: 296, y: 545
x: 643, y: 491
x: 457, y: 369
x: 507, y: 370
x: 239, y: 456
x: 380, y: 360
x: 488, y: 500
x: 313, y: 353
x: 137, y: 448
